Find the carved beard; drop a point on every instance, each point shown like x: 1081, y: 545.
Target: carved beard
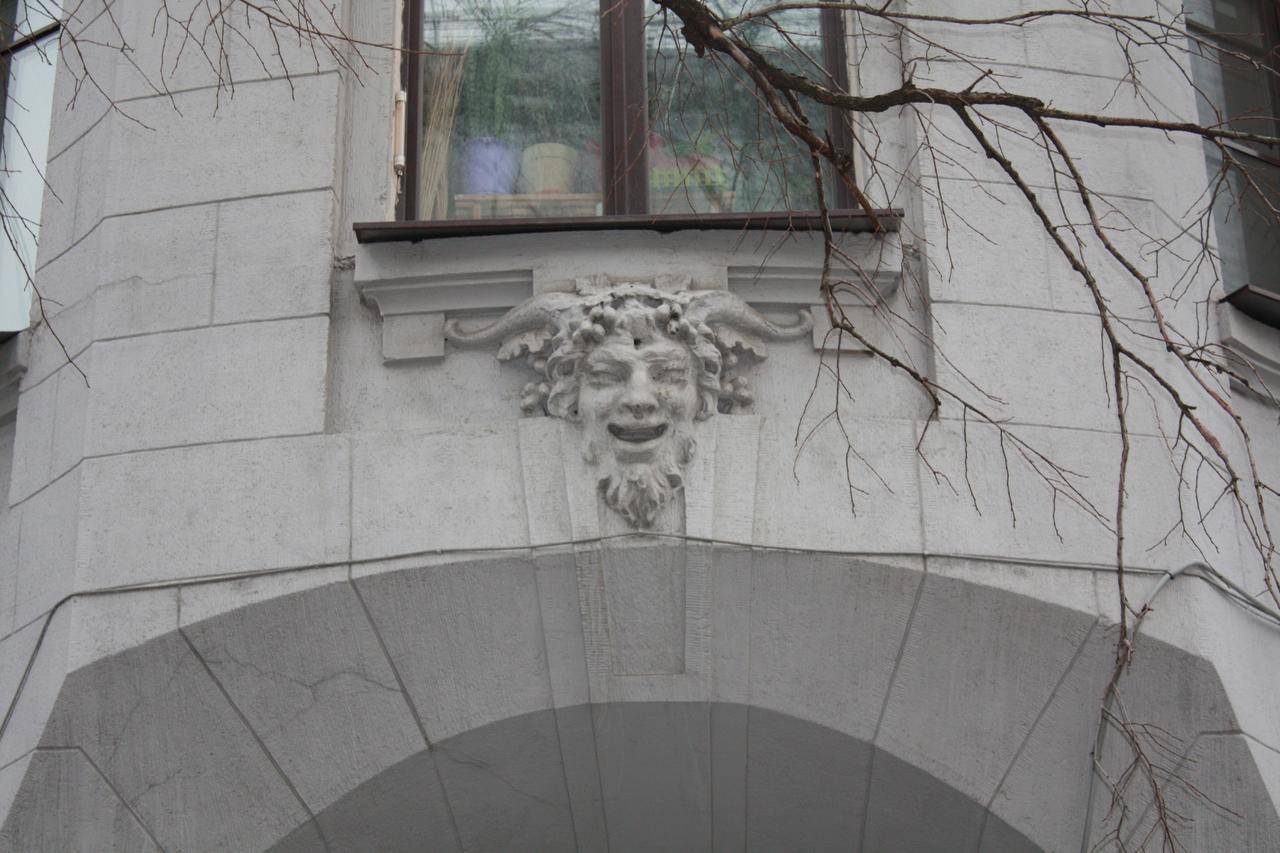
x: 639, y: 490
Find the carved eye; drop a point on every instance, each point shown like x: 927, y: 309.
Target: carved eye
x: 604, y: 376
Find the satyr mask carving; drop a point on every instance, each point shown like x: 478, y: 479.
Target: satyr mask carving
x: 636, y: 367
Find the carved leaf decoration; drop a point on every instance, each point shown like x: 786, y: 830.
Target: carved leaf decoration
x: 731, y: 339
x: 531, y: 342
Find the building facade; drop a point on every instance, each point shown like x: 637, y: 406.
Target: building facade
x: 331, y: 528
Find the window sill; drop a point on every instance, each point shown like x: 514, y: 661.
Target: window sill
x: 842, y: 221
x: 1261, y: 305
x: 1253, y: 345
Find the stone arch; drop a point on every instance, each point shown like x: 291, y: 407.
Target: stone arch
x: 901, y: 701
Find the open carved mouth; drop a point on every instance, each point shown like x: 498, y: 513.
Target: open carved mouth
x: 637, y: 434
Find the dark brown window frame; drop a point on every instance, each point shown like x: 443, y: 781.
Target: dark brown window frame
x: 624, y: 117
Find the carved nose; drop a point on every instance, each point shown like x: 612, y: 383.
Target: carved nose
x: 640, y: 406
x: 639, y: 401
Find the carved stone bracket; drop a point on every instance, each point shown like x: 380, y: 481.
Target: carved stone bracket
x: 413, y: 308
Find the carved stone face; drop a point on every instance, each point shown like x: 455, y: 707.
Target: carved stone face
x: 635, y: 366
x: 637, y: 398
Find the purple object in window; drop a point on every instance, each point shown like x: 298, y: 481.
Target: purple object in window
x: 488, y: 166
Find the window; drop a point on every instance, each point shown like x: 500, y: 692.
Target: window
x: 1233, y: 70
x: 28, y: 52
x: 565, y: 108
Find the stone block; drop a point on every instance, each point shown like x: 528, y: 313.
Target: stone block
x: 1002, y: 351
x: 983, y: 246
x: 806, y: 788
x: 231, y: 382
x: 1045, y: 790
x: 979, y: 699
x: 135, y: 306
x: 655, y: 759
x: 68, y: 332
x: 1194, y: 615
x: 644, y: 596
x: 105, y: 625
x: 33, y: 440
x: 412, y: 337
x: 368, y: 397
x: 157, y: 247
x: 543, y: 469
x: 10, y: 525
x: 72, y: 403
x: 94, y: 153
x: 557, y: 580
x: 47, y: 547
x: 78, y: 108
x: 582, y: 775
x: 1057, y: 527
x: 466, y: 638
x: 65, y: 804
x: 1218, y: 786
x: 62, y: 174
x: 205, y: 601
x: 309, y: 675
x: 274, y: 257
x: 901, y: 795
x: 804, y: 494
x: 400, y: 507
x: 158, y: 727
x: 195, y: 154
x: 240, y: 507
x: 737, y: 440
x: 172, y: 48
x: 257, y: 45
x: 729, y: 759
x: 1222, y: 768
x: 11, y: 776
x: 825, y: 635
x: 1070, y: 587
x: 16, y: 652
x: 506, y: 785
x: 376, y: 810
x: 37, y: 687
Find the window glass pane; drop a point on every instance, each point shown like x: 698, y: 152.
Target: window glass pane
x: 1242, y: 94
x: 1247, y: 226
x: 713, y: 145
x: 23, y: 147
x: 510, y: 108
x: 1239, y: 19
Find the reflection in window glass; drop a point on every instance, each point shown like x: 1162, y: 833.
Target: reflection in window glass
x: 1238, y: 42
x: 510, y: 107
x: 28, y: 100
x: 713, y: 145
x: 1247, y: 234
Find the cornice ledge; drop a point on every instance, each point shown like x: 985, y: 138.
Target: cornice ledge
x: 1254, y: 348
x: 413, y: 305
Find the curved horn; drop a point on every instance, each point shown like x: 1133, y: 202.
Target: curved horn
x: 720, y: 307
x: 542, y: 311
